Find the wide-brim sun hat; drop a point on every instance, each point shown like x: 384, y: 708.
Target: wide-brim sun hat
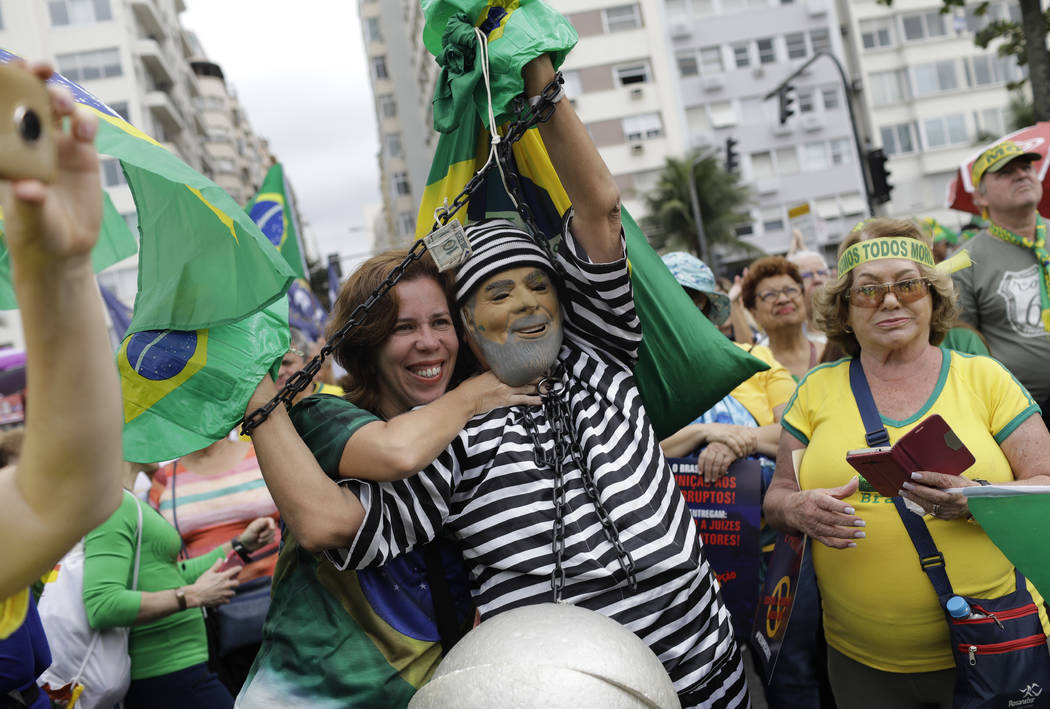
x: 693, y: 274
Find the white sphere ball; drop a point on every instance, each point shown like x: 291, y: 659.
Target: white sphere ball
x: 555, y: 656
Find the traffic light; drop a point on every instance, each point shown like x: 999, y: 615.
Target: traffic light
x: 880, y: 182
x: 786, y: 97
x: 732, y: 157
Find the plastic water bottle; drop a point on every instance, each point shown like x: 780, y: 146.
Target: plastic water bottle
x: 958, y: 607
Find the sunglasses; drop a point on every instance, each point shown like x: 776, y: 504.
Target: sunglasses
x: 871, y: 296
x: 771, y: 295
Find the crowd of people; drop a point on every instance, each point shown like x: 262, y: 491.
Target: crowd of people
x: 488, y: 449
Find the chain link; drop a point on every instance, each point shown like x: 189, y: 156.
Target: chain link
x: 566, y: 444
x: 527, y: 118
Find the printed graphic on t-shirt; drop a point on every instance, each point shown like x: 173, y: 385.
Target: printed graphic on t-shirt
x: 1020, y: 291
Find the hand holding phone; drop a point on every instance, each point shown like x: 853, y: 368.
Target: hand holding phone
x: 27, y: 141
x: 931, y: 446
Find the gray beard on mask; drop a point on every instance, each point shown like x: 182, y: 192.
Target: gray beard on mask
x: 520, y: 361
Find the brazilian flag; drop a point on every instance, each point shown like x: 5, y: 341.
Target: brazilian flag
x: 210, y: 316
x: 185, y: 389
x: 679, y: 341
x: 274, y: 212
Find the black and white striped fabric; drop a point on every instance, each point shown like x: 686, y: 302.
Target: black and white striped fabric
x: 496, y: 245
x: 488, y: 491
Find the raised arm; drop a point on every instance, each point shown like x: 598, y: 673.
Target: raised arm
x: 593, y: 192
x: 68, y: 478
x: 323, y: 514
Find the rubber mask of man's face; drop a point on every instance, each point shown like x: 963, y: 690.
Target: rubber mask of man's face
x: 514, y: 324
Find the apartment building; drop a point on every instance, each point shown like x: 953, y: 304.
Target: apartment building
x: 135, y: 56
x: 729, y: 55
x: 930, y: 95
x: 237, y: 157
x: 403, y: 75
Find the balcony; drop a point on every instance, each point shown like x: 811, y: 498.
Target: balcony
x: 149, y: 16
x: 162, y: 109
x: 156, y: 61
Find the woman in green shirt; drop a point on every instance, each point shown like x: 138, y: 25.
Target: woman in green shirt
x: 168, y: 643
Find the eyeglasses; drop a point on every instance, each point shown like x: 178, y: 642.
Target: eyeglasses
x: 823, y: 273
x: 770, y: 296
x: 871, y: 296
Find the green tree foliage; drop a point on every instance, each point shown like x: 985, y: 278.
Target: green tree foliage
x: 723, y: 205
x: 1025, y: 41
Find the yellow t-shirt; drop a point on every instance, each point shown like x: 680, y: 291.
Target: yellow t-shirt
x: 13, y: 612
x: 879, y: 606
x: 764, y: 391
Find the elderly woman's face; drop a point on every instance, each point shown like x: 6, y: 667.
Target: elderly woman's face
x: 893, y: 323
x: 778, y: 302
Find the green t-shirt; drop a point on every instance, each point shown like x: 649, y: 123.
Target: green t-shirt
x: 965, y: 340
x: 325, y: 645
x: 163, y: 646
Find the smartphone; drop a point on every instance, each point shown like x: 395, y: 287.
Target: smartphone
x: 27, y: 131
x: 233, y: 560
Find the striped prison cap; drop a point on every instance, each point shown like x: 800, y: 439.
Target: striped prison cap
x: 496, y: 245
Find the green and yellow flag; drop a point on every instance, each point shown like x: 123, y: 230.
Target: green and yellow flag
x: 679, y: 341
x: 210, y: 315
x: 203, y: 262
x: 273, y: 210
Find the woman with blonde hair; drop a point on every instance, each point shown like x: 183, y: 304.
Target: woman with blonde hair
x: 885, y: 623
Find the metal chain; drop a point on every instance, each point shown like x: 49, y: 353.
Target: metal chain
x: 555, y: 406
x: 301, y: 379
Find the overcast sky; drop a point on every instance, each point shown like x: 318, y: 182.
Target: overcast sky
x: 300, y: 72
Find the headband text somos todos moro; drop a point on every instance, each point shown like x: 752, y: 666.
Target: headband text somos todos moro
x: 885, y: 247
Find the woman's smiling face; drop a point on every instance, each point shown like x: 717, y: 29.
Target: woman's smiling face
x: 416, y: 360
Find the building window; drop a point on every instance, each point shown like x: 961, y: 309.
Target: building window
x: 796, y: 45
x: 723, y: 114
x: 772, y: 219
x: 841, y: 151
x: 991, y: 121
x: 647, y: 125
x: 634, y: 74
x: 815, y: 156
x: 406, y: 223
x: 112, y: 175
x: 806, y: 104
x: 888, y: 87
x: 687, y: 64
x: 761, y: 165
x: 372, y: 32
x: 934, y: 77
x: 745, y: 229
x: 899, y: 139
x: 711, y: 60
x: 78, y: 12
x: 379, y: 68
x: 766, y: 53
x: 989, y: 69
x: 876, y: 34
x: 787, y: 161
x: 85, y: 66
x: 820, y: 39
x: 393, y: 145
x: 945, y: 130
x: 387, y: 106
x: 400, y: 183
x: 742, y: 56
x: 923, y: 25
x: 830, y: 97
x: 622, y: 18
